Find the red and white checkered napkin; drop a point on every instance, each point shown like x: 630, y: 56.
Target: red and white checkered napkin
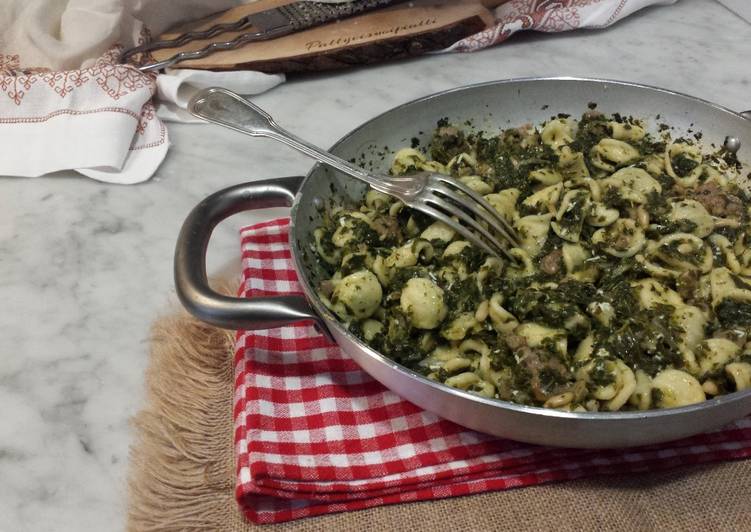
x: 314, y: 434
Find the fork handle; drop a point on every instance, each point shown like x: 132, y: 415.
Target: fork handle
x: 225, y: 108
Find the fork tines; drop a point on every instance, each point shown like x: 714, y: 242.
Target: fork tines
x: 468, y: 213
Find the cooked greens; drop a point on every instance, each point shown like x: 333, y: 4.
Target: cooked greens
x: 632, y: 288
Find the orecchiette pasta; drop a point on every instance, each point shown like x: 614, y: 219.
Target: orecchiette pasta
x: 546, y: 176
x: 557, y: 133
x: 422, y: 301
x: 569, y: 219
x: 632, y: 288
x: 477, y: 184
x: 609, y: 154
x: 692, y: 215
x: 633, y: 184
x: 715, y: 353
x: 622, y: 239
x: 677, y: 388
x: 358, y: 294
x: 601, y: 215
x: 627, y: 132
x: 438, y: 231
x: 544, y: 200
x: 740, y: 372
x: 641, y: 398
x: 683, y: 163
x: 534, y: 230
x: 505, y: 203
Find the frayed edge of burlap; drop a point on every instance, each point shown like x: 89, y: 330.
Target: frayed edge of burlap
x: 181, y: 462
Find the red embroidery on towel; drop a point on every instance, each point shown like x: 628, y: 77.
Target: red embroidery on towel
x: 147, y: 114
x: 64, y: 82
x: 9, y: 63
x: 16, y: 87
x: 119, y: 80
x: 116, y: 80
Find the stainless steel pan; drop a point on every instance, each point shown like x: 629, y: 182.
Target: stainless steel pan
x: 488, y: 106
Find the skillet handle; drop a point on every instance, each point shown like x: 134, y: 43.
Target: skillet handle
x: 191, y: 282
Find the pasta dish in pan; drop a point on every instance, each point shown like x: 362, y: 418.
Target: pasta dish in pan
x: 632, y: 288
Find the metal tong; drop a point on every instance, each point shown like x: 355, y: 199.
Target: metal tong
x: 266, y: 25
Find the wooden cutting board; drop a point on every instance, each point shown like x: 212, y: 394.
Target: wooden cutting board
x: 399, y: 31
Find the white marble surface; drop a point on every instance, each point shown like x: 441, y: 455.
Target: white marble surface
x: 742, y: 8
x: 85, y: 268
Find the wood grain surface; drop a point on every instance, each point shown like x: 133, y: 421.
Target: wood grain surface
x: 399, y: 31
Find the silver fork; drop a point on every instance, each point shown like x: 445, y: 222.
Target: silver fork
x: 440, y: 197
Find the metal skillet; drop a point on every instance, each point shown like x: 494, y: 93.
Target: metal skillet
x: 489, y: 106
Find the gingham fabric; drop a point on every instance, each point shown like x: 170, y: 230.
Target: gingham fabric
x: 314, y: 434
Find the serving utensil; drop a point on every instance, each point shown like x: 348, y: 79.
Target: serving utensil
x: 268, y: 24
x: 441, y: 197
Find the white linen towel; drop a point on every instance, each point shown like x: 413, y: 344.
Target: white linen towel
x: 65, y: 103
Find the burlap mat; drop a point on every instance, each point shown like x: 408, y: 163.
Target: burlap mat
x: 182, y: 471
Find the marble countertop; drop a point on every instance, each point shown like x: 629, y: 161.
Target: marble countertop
x: 85, y: 268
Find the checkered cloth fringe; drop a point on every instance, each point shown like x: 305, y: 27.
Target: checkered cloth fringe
x: 314, y: 434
